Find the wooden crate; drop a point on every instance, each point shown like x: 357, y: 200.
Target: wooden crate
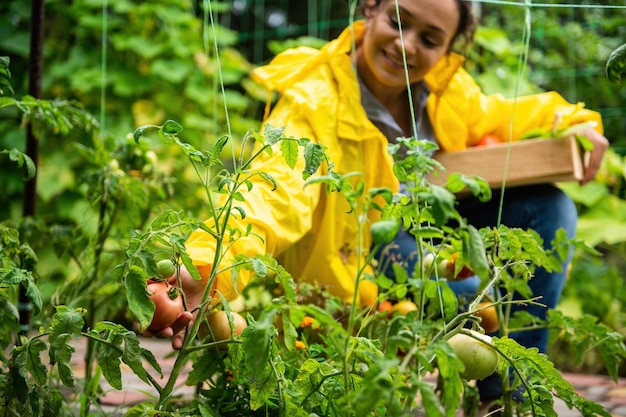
x: 530, y: 161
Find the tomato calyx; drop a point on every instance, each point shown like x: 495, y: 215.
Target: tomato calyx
x: 173, y: 292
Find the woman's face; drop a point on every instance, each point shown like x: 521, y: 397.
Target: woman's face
x: 428, y: 27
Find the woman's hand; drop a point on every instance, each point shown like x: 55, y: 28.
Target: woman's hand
x: 600, y: 145
x: 193, y: 295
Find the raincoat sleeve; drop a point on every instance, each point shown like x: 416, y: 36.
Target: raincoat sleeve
x: 275, y: 216
x: 516, y: 117
x: 507, y: 118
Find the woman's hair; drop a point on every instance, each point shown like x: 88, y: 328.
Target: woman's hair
x: 464, y: 32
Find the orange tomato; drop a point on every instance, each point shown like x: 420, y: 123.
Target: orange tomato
x: 488, y: 317
x: 404, y: 307
x: 307, y: 321
x: 385, y: 307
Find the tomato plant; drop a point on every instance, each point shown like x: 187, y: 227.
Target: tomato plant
x: 476, y: 353
x: 168, y: 304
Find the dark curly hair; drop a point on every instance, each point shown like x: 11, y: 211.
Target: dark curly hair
x: 464, y: 33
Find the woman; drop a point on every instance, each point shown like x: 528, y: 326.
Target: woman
x: 352, y: 97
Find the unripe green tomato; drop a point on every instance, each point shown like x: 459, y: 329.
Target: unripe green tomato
x: 478, y: 356
x: 166, y: 268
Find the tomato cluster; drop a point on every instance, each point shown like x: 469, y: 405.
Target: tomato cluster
x: 402, y: 307
x: 446, y: 268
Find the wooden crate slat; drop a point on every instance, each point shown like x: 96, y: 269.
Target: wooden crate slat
x: 530, y: 161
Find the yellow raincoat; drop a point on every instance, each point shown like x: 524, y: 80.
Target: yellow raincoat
x: 311, y: 232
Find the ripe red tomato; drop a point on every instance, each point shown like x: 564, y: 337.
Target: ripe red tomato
x: 168, y: 304
x: 488, y: 139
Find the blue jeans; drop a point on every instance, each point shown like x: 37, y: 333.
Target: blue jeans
x: 543, y: 208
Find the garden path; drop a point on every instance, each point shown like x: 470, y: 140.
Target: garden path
x: 599, y: 388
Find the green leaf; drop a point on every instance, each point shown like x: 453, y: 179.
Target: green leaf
x: 216, y: 150
x: 5, y: 76
x: 14, y: 276
x: 605, y: 221
x: 272, y: 134
x: 378, y: 381
x: 289, y: 149
x: 451, y: 385
x: 262, y: 387
x: 478, y: 186
x: 543, y: 378
x: 23, y: 161
x: 257, y: 344
x: 205, y: 367
x: 474, y: 251
x: 136, y: 293
x: 151, y: 359
x: 132, y: 355
x: 287, y: 282
x: 313, y: 157
x: 309, y: 379
x: 53, y: 402
x: 28, y: 359
x: 108, y: 355
x: 385, y: 230
x: 259, y: 267
x: 170, y: 127
x: 441, y: 202
x: 269, y: 179
x: 141, y: 130
x: 144, y: 409
x: 61, y: 354
x: 427, y: 232
x: 289, y: 330
x: 66, y: 320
